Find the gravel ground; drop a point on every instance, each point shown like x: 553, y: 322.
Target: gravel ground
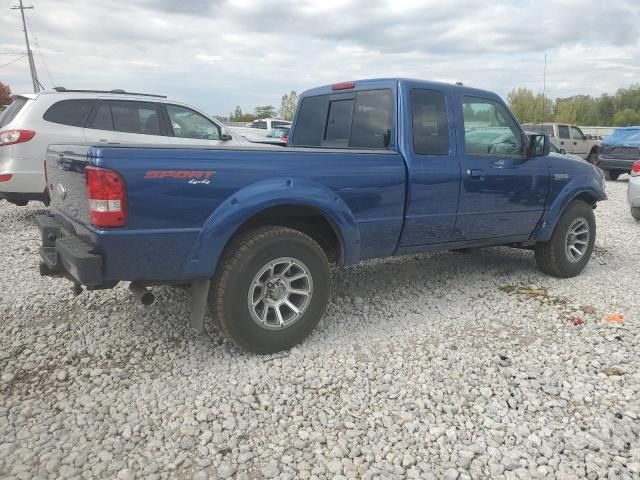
x: 444, y: 365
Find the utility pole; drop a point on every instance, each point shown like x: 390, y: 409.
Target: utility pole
x: 32, y: 64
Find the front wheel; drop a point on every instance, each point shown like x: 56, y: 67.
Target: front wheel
x: 568, y: 250
x: 271, y: 289
x: 592, y: 158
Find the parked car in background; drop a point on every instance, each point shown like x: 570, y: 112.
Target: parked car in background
x: 268, y: 123
x: 570, y: 138
x: 380, y: 168
x: 33, y: 121
x: 619, y: 151
x: 260, y: 130
x: 633, y: 190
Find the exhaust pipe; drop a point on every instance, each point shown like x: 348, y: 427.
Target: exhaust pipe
x: 142, y: 293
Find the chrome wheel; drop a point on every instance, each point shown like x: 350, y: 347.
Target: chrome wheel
x: 280, y: 293
x: 577, y: 240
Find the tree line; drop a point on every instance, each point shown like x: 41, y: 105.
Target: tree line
x: 620, y: 109
x: 287, y: 110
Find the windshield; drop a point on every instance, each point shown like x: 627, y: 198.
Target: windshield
x: 624, y: 135
x: 12, y: 110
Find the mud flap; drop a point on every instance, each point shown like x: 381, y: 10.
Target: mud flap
x: 199, y: 293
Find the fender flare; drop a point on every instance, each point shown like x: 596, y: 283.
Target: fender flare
x: 229, y: 216
x: 580, y: 185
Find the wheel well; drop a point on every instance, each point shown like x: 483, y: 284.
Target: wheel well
x: 308, y: 220
x: 586, y: 198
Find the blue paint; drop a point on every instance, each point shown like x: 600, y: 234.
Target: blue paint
x: 380, y: 202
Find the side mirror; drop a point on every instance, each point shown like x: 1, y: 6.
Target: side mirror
x: 539, y: 146
x: 225, y: 135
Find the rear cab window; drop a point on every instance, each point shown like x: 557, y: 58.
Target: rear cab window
x: 361, y: 119
x: 12, y: 110
x: 69, y: 112
x: 563, y: 131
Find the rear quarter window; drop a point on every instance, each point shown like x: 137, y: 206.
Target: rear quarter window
x: 12, y: 110
x: 69, y: 112
x: 361, y: 119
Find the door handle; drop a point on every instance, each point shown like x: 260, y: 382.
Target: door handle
x: 476, y: 174
x: 561, y: 143
x: 575, y: 143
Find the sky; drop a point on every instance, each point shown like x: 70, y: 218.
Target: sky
x: 216, y: 54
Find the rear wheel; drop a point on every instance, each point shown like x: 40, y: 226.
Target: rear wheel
x: 635, y: 212
x: 612, y: 174
x: 570, y: 247
x: 271, y: 289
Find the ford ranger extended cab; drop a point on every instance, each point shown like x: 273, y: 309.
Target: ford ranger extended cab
x: 374, y: 168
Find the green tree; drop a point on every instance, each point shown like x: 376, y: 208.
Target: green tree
x: 626, y: 117
x: 606, y: 110
x: 288, y: 105
x: 530, y: 108
x: 266, y: 111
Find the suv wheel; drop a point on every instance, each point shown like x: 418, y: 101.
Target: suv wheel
x: 569, y: 249
x: 592, y: 158
x: 271, y: 289
x: 612, y: 174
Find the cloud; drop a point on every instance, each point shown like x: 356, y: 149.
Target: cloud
x: 217, y: 54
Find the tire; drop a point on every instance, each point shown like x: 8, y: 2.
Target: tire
x: 612, y: 174
x: 554, y: 257
x: 635, y: 212
x: 592, y: 158
x: 237, y: 285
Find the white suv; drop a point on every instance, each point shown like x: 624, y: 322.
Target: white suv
x: 34, y: 121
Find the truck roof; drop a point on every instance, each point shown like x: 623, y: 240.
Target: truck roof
x: 393, y: 82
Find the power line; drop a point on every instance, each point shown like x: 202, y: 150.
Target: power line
x: 32, y: 66
x: 13, y: 61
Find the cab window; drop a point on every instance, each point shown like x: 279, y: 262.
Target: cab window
x: 429, y: 122
x: 563, y: 131
x: 362, y: 119
x: 489, y: 129
x: 577, y: 134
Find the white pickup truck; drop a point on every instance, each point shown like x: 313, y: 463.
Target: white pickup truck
x: 568, y: 137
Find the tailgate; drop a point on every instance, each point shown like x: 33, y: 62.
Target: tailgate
x: 64, y: 166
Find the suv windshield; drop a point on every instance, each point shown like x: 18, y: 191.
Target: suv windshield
x: 12, y: 110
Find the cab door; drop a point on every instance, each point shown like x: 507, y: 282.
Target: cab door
x: 579, y: 144
x: 125, y: 122
x: 502, y: 192
x: 434, y: 170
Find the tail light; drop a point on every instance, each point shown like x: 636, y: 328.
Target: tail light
x: 635, y: 168
x: 284, y: 139
x: 107, y: 194
x: 343, y: 86
x: 11, y: 137
x: 5, y: 177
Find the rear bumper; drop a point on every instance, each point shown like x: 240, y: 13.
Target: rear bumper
x: 63, y: 252
x: 21, y: 198
x: 633, y: 191
x: 607, y: 163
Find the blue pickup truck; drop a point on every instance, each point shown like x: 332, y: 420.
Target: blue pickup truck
x: 373, y: 168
